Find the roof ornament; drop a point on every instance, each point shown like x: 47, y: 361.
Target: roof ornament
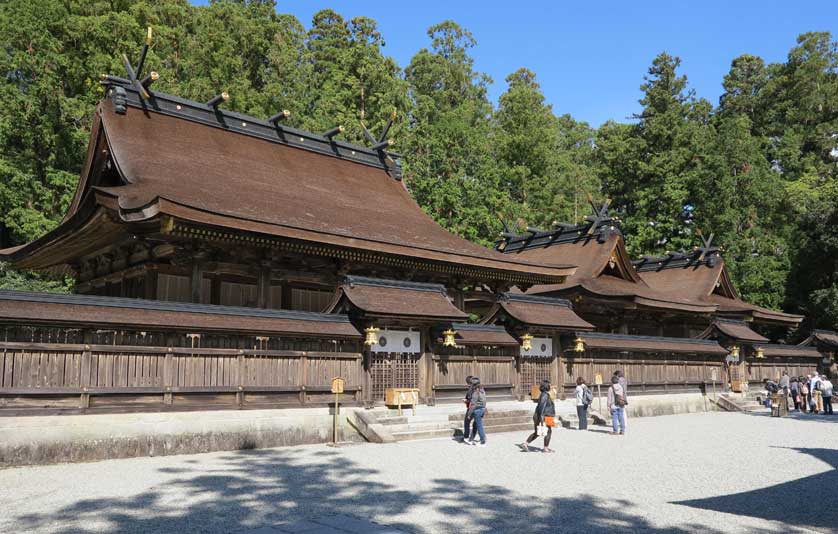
x: 144, y: 53
x: 707, y: 248
x: 600, y: 216
x: 218, y: 99
x: 382, y: 142
x: 281, y: 116
x: 329, y: 134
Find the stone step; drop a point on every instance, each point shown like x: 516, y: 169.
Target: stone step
x: 424, y: 434
x: 493, y: 414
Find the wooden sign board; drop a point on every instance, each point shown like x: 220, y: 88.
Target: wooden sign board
x: 337, y: 385
x: 714, y: 374
x: 598, y: 379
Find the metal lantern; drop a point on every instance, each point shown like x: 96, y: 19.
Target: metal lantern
x: 734, y: 352
x: 526, y: 342
x: 579, y: 344
x: 448, y: 340
x: 371, y: 336
x: 760, y: 353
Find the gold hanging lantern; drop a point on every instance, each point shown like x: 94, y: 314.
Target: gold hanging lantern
x: 760, y: 353
x: 526, y: 342
x: 371, y: 336
x: 448, y: 339
x: 579, y: 344
x: 734, y: 352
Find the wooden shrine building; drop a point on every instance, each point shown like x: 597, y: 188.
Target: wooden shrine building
x: 224, y: 260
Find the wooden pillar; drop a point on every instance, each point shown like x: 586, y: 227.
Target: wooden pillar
x: 285, y: 298
x: 84, y: 378
x: 263, y: 296
x: 366, y: 379
x: 426, y: 364
x: 150, y: 283
x: 555, y: 368
x: 196, y: 281
x: 215, y: 290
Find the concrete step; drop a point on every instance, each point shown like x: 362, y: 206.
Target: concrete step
x: 424, y: 434
x: 420, y: 427
x: 494, y: 413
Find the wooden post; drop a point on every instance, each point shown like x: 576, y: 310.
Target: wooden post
x: 241, y: 372
x: 366, y: 383
x: 84, y: 379
x: 286, y: 298
x: 263, y: 297
x: 303, y: 377
x: 215, y: 290
x: 196, y: 281
x: 555, y: 367
x: 168, y: 376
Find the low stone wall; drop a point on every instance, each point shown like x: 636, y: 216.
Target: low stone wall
x: 651, y: 405
x: 35, y: 440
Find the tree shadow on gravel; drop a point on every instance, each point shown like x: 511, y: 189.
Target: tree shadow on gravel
x: 251, y: 489
x: 804, y: 502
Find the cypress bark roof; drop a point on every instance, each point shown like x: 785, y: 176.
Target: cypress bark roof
x: 391, y: 298
x: 604, y: 268
x: 208, y: 168
x: 705, y: 281
x: 479, y: 334
x: 734, y: 330
x: 628, y: 343
x: 790, y: 351
x: 50, y: 308
x: 537, y: 311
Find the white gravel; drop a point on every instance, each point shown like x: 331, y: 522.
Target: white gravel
x: 736, y: 472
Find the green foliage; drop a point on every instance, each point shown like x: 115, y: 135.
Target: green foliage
x: 760, y: 170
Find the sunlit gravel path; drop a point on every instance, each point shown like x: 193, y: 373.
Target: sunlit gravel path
x: 715, y: 472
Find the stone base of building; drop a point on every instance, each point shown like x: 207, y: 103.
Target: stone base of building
x: 37, y: 440
x: 651, y: 405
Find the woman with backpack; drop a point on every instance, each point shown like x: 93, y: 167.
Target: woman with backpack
x: 544, y: 419
x: 477, y: 409
x: 617, y: 406
x: 584, y: 398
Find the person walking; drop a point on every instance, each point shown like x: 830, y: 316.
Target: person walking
x: 826, y: 390
x: 624, y: 384
x: 478, y: 410
x: 545, y: 417
x: 584, y: 398
x: 469, y: 428
x: 617, y: 406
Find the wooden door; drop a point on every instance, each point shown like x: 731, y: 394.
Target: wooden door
x: 392, y: 370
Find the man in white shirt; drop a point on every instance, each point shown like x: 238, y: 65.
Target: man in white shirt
x: 826, y: 390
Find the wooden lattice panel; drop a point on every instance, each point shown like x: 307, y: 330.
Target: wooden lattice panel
x: 533, y: 371
x: 393, y: 370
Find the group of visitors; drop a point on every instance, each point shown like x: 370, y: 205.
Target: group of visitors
x: 811, y: 393
x: 544, y: 417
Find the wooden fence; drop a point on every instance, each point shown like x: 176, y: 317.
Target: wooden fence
x: 50, y: 376
x: 646, y: 373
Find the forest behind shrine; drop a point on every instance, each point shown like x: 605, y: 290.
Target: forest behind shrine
x: 758, y: 168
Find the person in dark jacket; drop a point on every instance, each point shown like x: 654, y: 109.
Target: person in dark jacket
x: 544, y: 408
x: 469, y: 426
x: 478, y: 410
x: 794, y: 387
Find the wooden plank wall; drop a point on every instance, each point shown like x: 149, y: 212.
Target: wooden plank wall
x: 496, y: 369
x: 773, y: 368
x: 44, y: 376
x: 651, y: 373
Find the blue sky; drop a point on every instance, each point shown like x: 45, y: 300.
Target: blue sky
x: 590, y: 57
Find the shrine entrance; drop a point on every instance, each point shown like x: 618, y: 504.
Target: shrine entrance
x: 392, y: 370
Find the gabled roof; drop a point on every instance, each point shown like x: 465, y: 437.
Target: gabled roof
x: 536, y: 311
x: 373, y: 297
x: 790, y: 351
x: 705, y: 280
x: 90, y: 311
x: 628, y: 343
x: 203, y: 172
x: 825, y: 338
x: 604, y: 269
x: 483, y: 335
x: 734, y: 330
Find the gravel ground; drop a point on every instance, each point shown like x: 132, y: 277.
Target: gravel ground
x: 722, y: 472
